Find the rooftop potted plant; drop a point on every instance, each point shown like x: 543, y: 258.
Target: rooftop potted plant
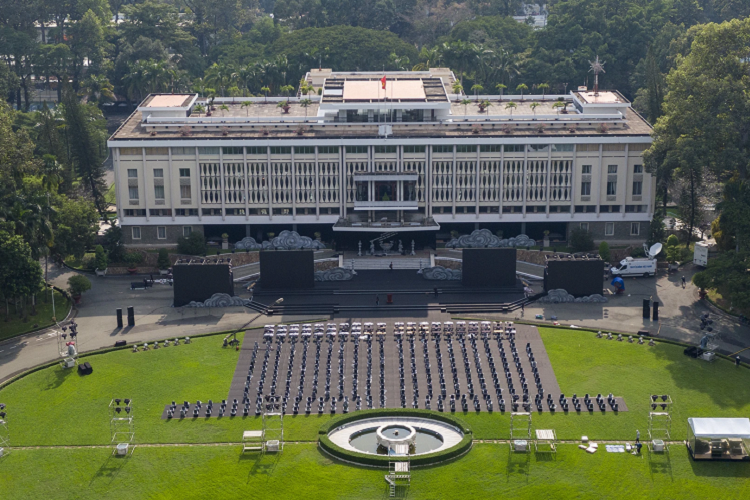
x: 78, y: 284
x: 285, y: 106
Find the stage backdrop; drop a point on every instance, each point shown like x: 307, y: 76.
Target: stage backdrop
x: 287, y: 269
x: 489, y: 267
x: 580, y: 278
x: 199, y: 282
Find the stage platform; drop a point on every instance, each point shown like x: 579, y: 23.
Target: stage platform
x: 369, y: 290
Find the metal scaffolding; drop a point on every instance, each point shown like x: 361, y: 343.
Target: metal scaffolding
x: 659, y: 423
x: 122, y: 426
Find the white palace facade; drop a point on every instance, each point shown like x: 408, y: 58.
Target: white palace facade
x: 352, y: 161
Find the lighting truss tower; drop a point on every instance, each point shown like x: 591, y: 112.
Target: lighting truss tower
x: 273, y: 431
x: 122, y: 426
x: 520, y: 431
x: 4, y: 433
x: 659, y: 422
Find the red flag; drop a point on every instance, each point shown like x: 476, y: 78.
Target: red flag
x: 382, y: 82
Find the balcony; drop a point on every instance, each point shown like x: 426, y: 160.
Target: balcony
x: 386, y: 205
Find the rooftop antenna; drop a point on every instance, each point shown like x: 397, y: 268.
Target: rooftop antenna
x: 597, y: 67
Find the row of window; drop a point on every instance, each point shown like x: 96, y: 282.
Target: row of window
x: 609, y: 228
x: 161, y: 232
x: 611, y: 188
x: 285, y: 150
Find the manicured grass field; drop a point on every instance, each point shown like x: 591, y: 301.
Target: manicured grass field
x: 55, y: 407
x: 302, y: 471
x: 43, y: 318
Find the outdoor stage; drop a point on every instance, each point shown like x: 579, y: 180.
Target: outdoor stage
x: 369, y: 290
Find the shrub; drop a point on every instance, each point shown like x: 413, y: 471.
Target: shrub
x: 604, y: 251
x: 581, y: 240
x: 88, y: 262
x: 132, y: 259
x: 194, y: 244
x: 162, y: 262
x: 673, y: 249
x: 78, y: 284
x: 637, y: 253
x: 702, y: 280
x: 100, y: 258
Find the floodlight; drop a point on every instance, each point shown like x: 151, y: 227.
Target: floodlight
x: 117, y: 401
x: 127, y: 409
x: 127, y: 401
x: 2, y: 406
x: 664, y: 397
x: 118, y: 409
x: 2, y: 414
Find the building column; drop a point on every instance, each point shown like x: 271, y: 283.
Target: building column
x: 523, y: 227
x: 627, y: 169
x: 599, y: 183
x: 221, y: 183
x: 453, y: 174
x: 573, y: 180
x: 145, y: 184
x: 269, y: 183
x: 247, y: 230
x: 524, y: 174
x: 294, y: 186
x: 500, y: 183
x: 169, y: 183
x: 549, y: 177
x: 200, y: 184
x: 476, y: 185
x: 118, y: 197
x: 317, y: 186
x: 246, y: 191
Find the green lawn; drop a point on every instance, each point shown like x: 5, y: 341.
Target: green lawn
x: 43, y: 318
x: 59, y: 407
x: 302, y: 471
x: 77, y: 263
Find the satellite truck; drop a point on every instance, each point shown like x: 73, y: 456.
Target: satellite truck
x: 645, y: 266
x: 700, y: 253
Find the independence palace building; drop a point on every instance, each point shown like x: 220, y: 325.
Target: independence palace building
x: 355, y: 160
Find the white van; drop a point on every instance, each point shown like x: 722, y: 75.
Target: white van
x: 700, y: 254
x: 639, y: 267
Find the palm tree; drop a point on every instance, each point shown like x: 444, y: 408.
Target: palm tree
x: 199, y: 108
x: 221, y: 76
x: 476, y: 88
x: 507, y: 65
x: 522, y: 88
x: 533, y: 107
x: 557, y: 105
x: 398, y: 63
x: 53, y: 171
x: 428, y: 58
x: 511, y: 106
x: 544, y: 87
x: 265, y: 91
x: 484, y: 105
x: 98, y: 89
x: 457, y: 88
x: 465, y: 102
x: 500, y: 88
x: 305, y: 103
x: 223, y: 108
x: 286, y: 90
x: 246, y: 105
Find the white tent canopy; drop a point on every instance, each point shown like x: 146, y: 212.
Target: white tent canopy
x: 728, y: 428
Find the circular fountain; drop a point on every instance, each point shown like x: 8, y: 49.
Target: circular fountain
x: 389, y: 436
x: 396, y: 436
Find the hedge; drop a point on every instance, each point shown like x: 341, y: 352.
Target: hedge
x: 382, y: 460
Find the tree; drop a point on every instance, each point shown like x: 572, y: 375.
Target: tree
x: 476, y: 88
x: 604, y: 252
x: 265, y: 91
x: 465, y: 102
x: 200, y: 109
x: 654, y: 86
x: 522, y: 87
x: 86, y: 150
x: 500, y: 88
x: 77, y: 284
x: 113, y: 244
x: 100, y: 258
x: 558, y: 105
x: 223, y: 108
x: 163, y: 260
x: 544, y: 87
x: 247, y: 105
x: 581, y: 240
x: 533, y: 107
x: 734, y: 218
x: 673, y: 249
x: 511, y: 106
x: 305, y: 103
x: 20, y: 273
x: 76, y: 224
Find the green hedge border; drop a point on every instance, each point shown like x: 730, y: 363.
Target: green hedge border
x: 381, y: 460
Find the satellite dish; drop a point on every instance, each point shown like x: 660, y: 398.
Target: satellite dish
x: 654, y: 250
